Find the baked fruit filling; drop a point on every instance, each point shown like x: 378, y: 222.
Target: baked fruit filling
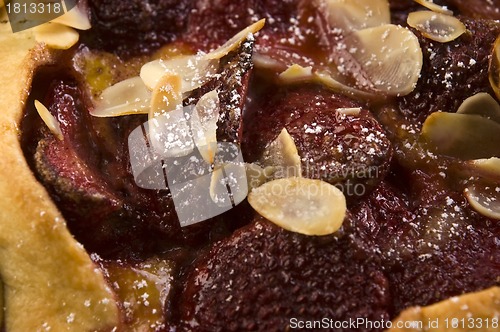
x: 369, y: 135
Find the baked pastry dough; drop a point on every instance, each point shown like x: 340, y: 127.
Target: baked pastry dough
x: 49, y: 281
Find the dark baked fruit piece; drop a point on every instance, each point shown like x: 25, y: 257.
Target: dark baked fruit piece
x: 453, y: 251
x: 431, y: 246
x: 212, y: 22
x: 351, y: 151
x: 136, y: 26
x: 452, y: 71
x: 263, y: 275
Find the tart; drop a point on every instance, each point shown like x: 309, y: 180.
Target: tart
x: 262, y: 165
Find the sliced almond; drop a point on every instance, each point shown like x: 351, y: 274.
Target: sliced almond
x: 282, y: 154
x: 126, y: 97
x: 487, y: 168
x: 485, y: 200
x: 296, y: 73
x: 460, y: 135
x: 310, y: 207
x: 168, y: 128
x: 435, y: 26
x: 56, y: 35
x: 74, y: 18
x: 333, y: 83
x: 353, y: 111
x: 442, y: 316
x: 194, y: 70
x: 228, y: 185
x: 204, y: 125
x: 434, y: 7
x: 390, y: 56
x: 351, y: 15
x: 166, y: 96
x: 49, y: 120
x: 494, y: 68
x: 481, y: 104
x: 236, y: 40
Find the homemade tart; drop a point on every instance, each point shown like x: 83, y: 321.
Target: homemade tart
x: 371, y: 153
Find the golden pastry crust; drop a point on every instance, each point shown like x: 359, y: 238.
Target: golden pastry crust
x: 49, y: 279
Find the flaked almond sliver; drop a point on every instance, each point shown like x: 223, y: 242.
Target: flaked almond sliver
x: 305, y: 206
x: 168, y: 127
x: 390, y: 56
x: 434, y: 7
x: 296, y: 73
x: 494, y: 68
x: 194, y: 70
x: 49, y: 120
x: 480, y: 306
x: 282, y: 154
x: 484, y: 200
x: 56, y: 35
x: 228, y: 185
x: 481, y: 104
x: 351, y: 15
x: 126, y: 97
x: 353, y: 111
x: 487, y: 168
x: 204, y: 125
x: 463, y: 136
x: 74, y: 18
x: 166, y: 96
x: 333, y: 83
x: 435, y: 26
x: 236, y: 40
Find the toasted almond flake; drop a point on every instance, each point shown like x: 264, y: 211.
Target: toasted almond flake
x: 236, y: 40
x: 170, y: 133
x: 435, y: 26
x: 390, y: 56
x: 49, y: 120
x: 168, y: 130
x: 460, y: 135
x: 351, y: 15
x: 494, y: 68
x: 481, y: 104
x: 126, y: 97
x: 194, y: 70
x: 228, y: 184
x: 434, y: 7
x: 218, y: 187
x: 485, y: 201
x: 166, y: 96
x: 74, y: 18
x: 204, y: 125
x: 305, y: 206
x: 328, y: 80
x: 266, y: 62
x: 56, y: 35
x: 480, y: 306
x: 296, y: 73
x: 282, y: 154
x: 354, y: 111
x: 487, y: 168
